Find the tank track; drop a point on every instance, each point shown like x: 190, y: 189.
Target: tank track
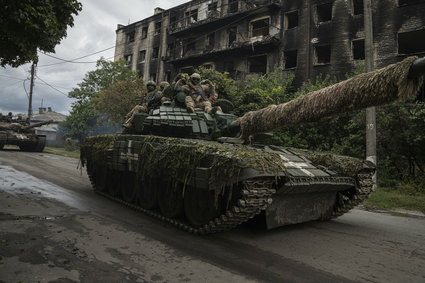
x: 347, y: 200
x: 255, y: 197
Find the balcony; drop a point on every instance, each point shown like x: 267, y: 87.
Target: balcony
x: 251, y: 46
x: 214, y: 19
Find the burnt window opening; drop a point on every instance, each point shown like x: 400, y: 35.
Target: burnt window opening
x: 191, y: 16
x: 324, y: 12
x: 152, y: 77
x: 291, y: 59
x: 155, y: 53
x: 130, y: 36
x: 144, y: 32
x: 210, y: 41
x: 157, y: 28
x: 212, y: 10
x: 409, y: 2
x: 411, y: 43
x: 233, y: 6
x: 260, y: 27
x: 357, y: 7
x: 322, y: 54
x: 168, y: 76
x: 187, y: 70
x: 231, y: 36
x: 142, y: 56
x: 170, y: 49
x: 189, y: 47
x: 140, y: 71
x: 257, y: 64
x: 128, y: 59
x: 173, y: 22
x: 291, y: 20
x: 358, y: 49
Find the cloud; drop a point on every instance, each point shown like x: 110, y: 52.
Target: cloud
x: 94, y: 30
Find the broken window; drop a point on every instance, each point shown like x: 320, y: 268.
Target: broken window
x: 257, y: 64
x: 291, y: 59
x: 409, y: 2
x: 210, y: 41
x: 358, y: 49
x: 157, y: 28
x: 127, y: 59
x: 187, y: 70
x: 142, y: 56
x: 357, y: 7
x: 170, y: 49
x: 144, y: 32
x: 173, y: 22
x: 322, y: 54
x: 155, y: 53
x: 189, y: 46
x: 153, y: 77
x: 130, y: 36
x: 260, y: 27
x: 324, y: 12
x: 231, y: 36
x: 233, y: 6
x: 291, y: 19
x: 191, y: 16
x: 212, y: 10
x: 410, y: 42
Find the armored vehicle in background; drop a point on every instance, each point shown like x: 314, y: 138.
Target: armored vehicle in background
x: 202, y: 173
x: 22, y: 135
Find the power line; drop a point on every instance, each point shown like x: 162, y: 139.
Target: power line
x: 9, y: 77
x: 51, y: 86
x: 74, y: 60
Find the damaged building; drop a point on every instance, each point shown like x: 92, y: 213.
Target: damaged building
x: 242, y: 37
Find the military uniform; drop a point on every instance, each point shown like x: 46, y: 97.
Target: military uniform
x: 151, y: 100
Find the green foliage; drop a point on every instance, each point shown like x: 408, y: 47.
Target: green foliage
x: 26, y: 26
x: 84, y: 118
x: 225, y: 86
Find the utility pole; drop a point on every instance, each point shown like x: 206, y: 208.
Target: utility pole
x: 31, y: 89
x: 370, y: 112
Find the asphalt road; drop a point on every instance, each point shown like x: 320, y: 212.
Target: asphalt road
x: 54, y: 228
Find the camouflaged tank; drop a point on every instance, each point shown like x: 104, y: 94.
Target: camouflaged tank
x: 22, y: 135
x: 200, y: 173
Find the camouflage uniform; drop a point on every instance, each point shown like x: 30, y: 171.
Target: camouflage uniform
x: 150, y: 100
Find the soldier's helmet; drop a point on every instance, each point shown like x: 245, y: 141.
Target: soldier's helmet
x: 195, y: 78
x: 163, y: 85
x: 10, y: 114
x: 151, y: 83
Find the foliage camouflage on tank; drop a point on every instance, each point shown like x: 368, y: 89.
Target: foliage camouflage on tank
x: 201, y: 173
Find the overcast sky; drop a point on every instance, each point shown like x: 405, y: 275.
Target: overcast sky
x: 93, y: 30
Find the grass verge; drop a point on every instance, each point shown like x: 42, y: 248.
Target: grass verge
x: 74, y: 153
x: 390, y: 199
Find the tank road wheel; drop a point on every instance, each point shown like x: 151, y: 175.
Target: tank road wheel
x: 170, y: 200
x: 200, y: 206
x: 128, y: 187
x: 99, y: 176
x: 148, y: 193
x: 114, y: 183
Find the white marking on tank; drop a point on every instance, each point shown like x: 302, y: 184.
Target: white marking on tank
x: 298, y: 165
x: 22, y: 137
x: 129, y: 156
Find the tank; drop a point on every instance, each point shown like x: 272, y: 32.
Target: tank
x: 22, y: 135
x: 205, y: 173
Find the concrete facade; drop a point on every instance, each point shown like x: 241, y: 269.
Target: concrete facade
x: 307, y: 37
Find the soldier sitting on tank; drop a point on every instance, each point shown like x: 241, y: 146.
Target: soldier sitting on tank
x: 196, y: 94
x: 149, y: 101
x: 162, y: 87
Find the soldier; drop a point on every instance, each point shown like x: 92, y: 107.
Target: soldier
x: 163, y: 86
x: 196, y: 94
x: 150, y: 100
x: 9, y: 117
x: 209, y: 88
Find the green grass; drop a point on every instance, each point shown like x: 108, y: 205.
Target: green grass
x: 74, y: 153
x: 402, y: 197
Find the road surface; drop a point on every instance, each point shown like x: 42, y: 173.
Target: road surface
x: 54, y: 228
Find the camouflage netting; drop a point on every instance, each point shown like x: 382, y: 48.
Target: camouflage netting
x: 171, y: 159
x: 366, y: 90
x: 342, y: 165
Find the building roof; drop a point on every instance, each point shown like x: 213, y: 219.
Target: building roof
x: 48, y: 115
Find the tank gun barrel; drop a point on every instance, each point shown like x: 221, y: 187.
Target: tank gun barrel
x: 36, y: 125
x: 398, y: 81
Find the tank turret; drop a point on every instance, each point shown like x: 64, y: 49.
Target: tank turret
x: 196, y: 171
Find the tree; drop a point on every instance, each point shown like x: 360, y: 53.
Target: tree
x: 84, y: 119
x: 28, y: 25
x: 117, y: 100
